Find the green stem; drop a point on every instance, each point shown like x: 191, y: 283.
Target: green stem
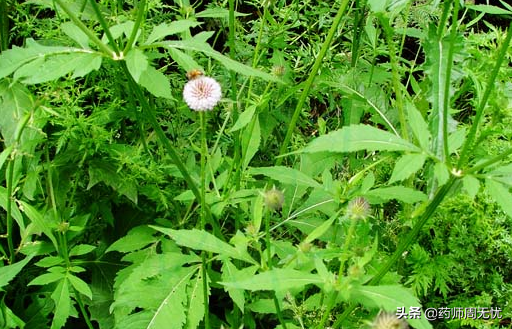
x: 10, y: 175
x: 151, y: 117
x: 103, y: 47
x: 232, y: 52
x: 311, y: 78
x: 466, y: 149
x: 138, y: 21
x: 447, y: 85
x: 269, y: 266
x: 78, y: 299
x: 204, y: 154
x: 105, y: 27
x: 4, y: 26
x: 397, y: 85
x: 404, y: 244
x: 489, y: 162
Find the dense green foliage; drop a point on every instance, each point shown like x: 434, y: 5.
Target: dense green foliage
x: 358, y: 163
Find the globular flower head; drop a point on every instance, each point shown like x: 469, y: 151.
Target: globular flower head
x: 274, y: 199
x: 358, y: 208
x: 202, y: 93
x: 386, y: 320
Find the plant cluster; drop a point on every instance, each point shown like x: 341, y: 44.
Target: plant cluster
x: 254, y: 164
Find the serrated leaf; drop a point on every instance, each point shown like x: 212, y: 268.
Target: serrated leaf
x: 53, y: 67
x: 74, y: 32
x: 46, y: 278
x: 285, y: 175
x: 357, y: 138
x: 80, y: 285
x: 62, y: 304
x: 277, y: 280
x: 418, y: 126
x: 406, y: 166
x: 231, y: 273
x: 156, y: 82
x: 244, y: 118
x: 163, y: 30
x: 202, y: 240
x: 38, y: 221
x: 389, y: 298
x: 251, y: 142
x: 199, y: 45
x: 137, y: 238
x: 400, y: 193
x: 106, y: 172
x: 441, y: 173
x: 136, y: 62
x: 8, y: 272
x: 500, y: 194
x: 489, y: 9
x: 217, y: 13
x: 471, y: 185
x: 195, y: 305
x: 184, y: 60
x: 81, y: 249
x: 50, y: 261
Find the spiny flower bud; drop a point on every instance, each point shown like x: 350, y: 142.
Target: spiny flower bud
x: 386, y: 320
x: 278, y: 70
x: 358, y: 208
x: 274, y: 199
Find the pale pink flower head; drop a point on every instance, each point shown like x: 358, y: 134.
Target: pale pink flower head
x: 202, y: 93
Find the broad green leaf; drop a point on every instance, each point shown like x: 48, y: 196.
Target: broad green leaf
x: 285, y: 175
x: 217, y: 13
x: 53, y: 67
x: 101, y: 171
x: 251, y: 142
x: 277, y: 280
x: 195, y: 306
x: 163, y: 30
x: 198, y: 45
x: 389, y: 298
x: 5, y: 153
x: 244, y: 118
x: 156, y: 82
x: 8, y: 319
x: 500, y: 194
x: 320, y: 230
x: 184, y: 60
x: 441, y: 173
x: 76, y: 34
x: 400, y: 193
x: 8, y: 272
x: 137, y: 238
x: 80, y: 285
x: 202, y: 240
x: 471, y: 185
x: 39, y: 221
x: 437, y: 64
x: 489, y: 9
x: 62, y: 304
x: 46, y: 278
x: 81, y: 249
x: 118, y: 30
x: 50, y: 261
x: 137, y: 62
x: 357, y: 138
x: 418, y: 126
x: 406, y: 166
x: 231, y: 273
